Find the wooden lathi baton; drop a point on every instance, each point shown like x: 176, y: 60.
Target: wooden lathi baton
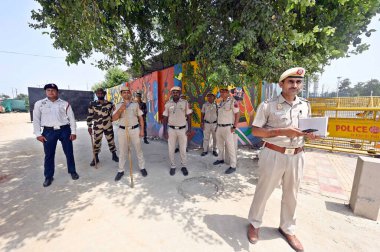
x: 129, y: 155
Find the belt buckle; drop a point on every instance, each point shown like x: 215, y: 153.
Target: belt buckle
x: 57, y: 127
x: 129, y: 127
x: 290, y: 151
x: 176, y: 127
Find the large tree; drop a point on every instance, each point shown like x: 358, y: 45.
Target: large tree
x: 260, y: 38
x: 113, y: 77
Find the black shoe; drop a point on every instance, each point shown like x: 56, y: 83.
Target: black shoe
x: 74, y: 175
x: 215, y: 153
x: 172, y: 171
x: 115, y: 157
x: 146, y: 141
x: 187, y: 150
x: 144, y: 173
x: 184, y: 171
x: 176, y: 150
x: 93, y: 160
x: 48, y: 182
x: 204, y: 154
x: 218, y: 162
x: 230, y: 170
x: 119, y: 175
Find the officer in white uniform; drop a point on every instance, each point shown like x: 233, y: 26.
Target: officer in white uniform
x: 228, y: 118
x: 282, y: 159
x: 208, y: 124
x: 57, y: 119
x: 130, y: 122
x: 175, y: 114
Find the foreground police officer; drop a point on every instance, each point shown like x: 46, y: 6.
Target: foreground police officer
x: 57, y: 119
x: 100, y: 113
x: 130, y: 122
x: 144, y: 109
x: 208, y: 124
x: 282, y: 159
x: 228, y: 118
x: 177, y: 117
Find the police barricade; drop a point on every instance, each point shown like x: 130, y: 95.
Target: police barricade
x: 354, y: 124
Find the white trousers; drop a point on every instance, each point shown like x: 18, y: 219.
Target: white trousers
x: 226, y: 139
x: 276, y: 168
x: 123, y: 147
x: 174, y: 135
x: 209, y: 130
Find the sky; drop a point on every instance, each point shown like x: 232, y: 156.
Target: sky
x: 19, y: 71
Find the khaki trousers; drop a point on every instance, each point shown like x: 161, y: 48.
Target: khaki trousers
x: 225, y: 156
x: 225, y: 139
x: 175, y: 134
x: 209, y: 130
x: 123, y: 147
x: 276, y: 168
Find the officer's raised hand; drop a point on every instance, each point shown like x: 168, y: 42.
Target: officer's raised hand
x: 42, y: 139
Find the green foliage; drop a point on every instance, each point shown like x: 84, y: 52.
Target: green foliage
x: 114, y: 77
x: 4, y: 96
x: 360, y: 89
x: 255, y: 38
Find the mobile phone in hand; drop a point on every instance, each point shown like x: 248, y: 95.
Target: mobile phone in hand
x: 309, y: 130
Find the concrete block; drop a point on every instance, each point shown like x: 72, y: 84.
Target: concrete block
x: 365, y: 193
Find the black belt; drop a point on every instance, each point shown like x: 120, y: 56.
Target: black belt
x: 60, y: 127
x: 225, y: 125
x: 177, y: 127
x: 209, y: 122
x: 128, y: 127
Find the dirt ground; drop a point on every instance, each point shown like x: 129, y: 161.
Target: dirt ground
x: 206, y: 211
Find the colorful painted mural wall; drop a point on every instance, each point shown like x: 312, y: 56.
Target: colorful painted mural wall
x: 156, y: 86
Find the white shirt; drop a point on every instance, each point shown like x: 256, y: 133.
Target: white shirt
x: 52, y: 114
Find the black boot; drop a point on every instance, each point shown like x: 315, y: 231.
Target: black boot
x: 93, y: 161
x: 146, y: 141
x: 115, y: 157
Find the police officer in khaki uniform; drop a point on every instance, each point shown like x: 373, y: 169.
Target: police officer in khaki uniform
x: 130, y: 117
x: 228, y: 118
x: 208, y: 124
x: 282, y: 159
x: 175, y: 114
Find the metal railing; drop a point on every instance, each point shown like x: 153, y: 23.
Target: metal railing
x: 353, y: 111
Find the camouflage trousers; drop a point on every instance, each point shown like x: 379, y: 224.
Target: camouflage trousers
x: 108, y: 133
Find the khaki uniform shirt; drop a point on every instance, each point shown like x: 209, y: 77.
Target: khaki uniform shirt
x: 227, y: 110
x: 177, y: 112
x: 278, y: 113
x: 130, y: 116
x: 209, y: 109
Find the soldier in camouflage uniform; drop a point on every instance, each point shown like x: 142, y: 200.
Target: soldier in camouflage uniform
x: 100, y: 113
